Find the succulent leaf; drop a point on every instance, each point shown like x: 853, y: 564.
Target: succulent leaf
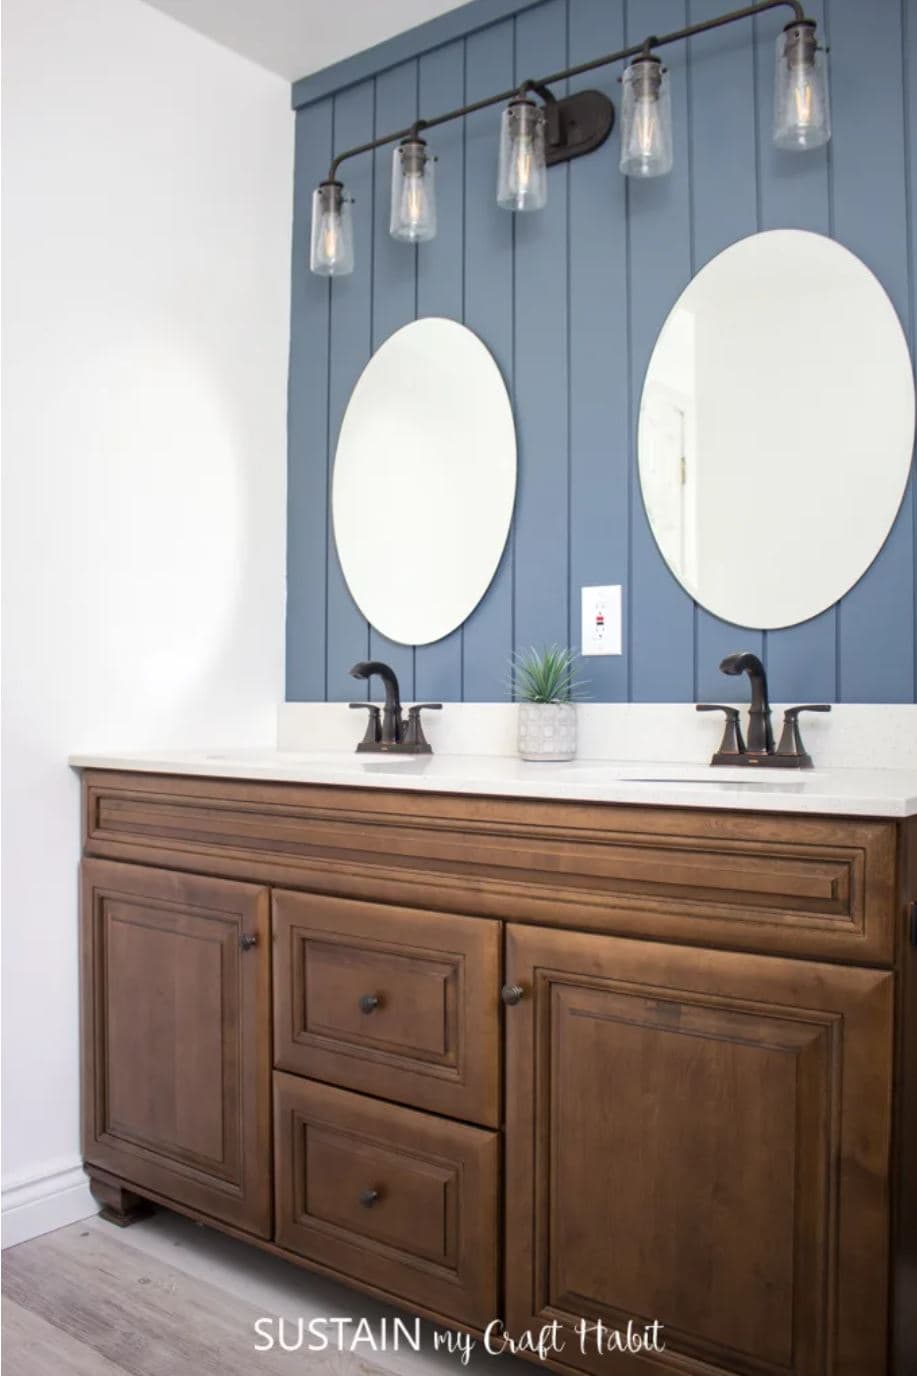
x: 546, y: 676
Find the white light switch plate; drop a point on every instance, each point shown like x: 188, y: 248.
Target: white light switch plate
x: 601, y: 630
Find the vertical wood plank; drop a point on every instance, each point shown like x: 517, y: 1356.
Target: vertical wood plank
x: 488, y: 265
x: 440, y: 292
x: 541, y: 383
x: 793, y: 192
x: 307, y: 422
x: 724, y: 206
x: 394, y: 289
x: 876, y: 643
x: 350, y: 344
x: 661, y: 621
x: 599, y: 404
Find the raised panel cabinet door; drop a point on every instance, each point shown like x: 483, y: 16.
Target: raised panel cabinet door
x: 701, y: 1139
x: 176, y: 1038
x: 401, y: 1003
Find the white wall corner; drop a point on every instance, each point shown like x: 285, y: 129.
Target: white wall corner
x: 34, y: 1206
x: 144, y: 438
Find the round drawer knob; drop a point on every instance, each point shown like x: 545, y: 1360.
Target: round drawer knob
x: 369, y: 1003
x: 512, y: 995
x: 369, y: 1198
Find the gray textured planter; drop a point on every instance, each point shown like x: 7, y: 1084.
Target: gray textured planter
x: 547, y: 732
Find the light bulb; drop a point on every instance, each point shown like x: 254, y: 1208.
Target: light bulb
x: 522, y: 183
x: 803, y: 100
x: 802, y: 118
x: 646, y: 119
x: 646, y: 127
x: 331, y: 253
x: 412, y: 200
x: 329, y: 234
x: 522, y: 166
x: 413, y: 214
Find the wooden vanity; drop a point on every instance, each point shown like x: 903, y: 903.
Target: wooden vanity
x: 702, y: 1109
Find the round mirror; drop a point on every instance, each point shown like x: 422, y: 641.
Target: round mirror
x: 424, y: 481
x: 776, y: 428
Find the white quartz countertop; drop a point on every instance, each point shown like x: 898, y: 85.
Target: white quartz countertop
x: 875, y: 793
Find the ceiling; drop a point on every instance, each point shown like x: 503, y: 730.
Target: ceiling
x: 296, y: 37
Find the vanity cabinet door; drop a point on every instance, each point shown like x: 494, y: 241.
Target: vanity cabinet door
x: 699, y: 1138
x: 176, y: 1038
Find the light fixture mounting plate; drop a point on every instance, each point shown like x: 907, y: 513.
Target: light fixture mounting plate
x: 577, y: 124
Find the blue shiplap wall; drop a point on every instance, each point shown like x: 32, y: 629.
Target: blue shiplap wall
x: 570, y: 301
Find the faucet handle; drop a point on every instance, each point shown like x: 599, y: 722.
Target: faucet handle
x: 790, y: 744
x: 373, y: 732
x: 414, y: 733
x: 733, y: 744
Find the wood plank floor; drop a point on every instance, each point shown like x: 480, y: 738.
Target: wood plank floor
x: 167, y: 1296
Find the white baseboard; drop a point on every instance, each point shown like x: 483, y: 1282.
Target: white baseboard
x: 34, y: 1206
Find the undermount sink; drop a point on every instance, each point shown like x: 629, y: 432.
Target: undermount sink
x: 714, y: 776
x: 246, y: 758
x: 404, y: 763
x: 362, y: 761
x: 778, y: 780
x: 369, y: 760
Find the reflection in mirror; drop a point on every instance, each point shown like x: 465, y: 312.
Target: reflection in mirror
x: 776, y: 428
x: 424, y: 481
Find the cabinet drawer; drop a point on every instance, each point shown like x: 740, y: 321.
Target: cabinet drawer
x: 388, y: 1197
x: 400, y: 1003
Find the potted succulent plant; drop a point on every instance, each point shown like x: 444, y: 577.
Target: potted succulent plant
x: 545, y: 685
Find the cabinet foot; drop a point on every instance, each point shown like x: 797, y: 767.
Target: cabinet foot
x: 117, y: 1204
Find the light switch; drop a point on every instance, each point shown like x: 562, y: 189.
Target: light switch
x: 601, y: 631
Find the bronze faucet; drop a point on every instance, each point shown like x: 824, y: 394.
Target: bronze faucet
x: 760, y: 734
x: 760, y: 749
x: 388, y: 730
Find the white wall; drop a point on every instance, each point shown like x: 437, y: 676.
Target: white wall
x: 146, y: 227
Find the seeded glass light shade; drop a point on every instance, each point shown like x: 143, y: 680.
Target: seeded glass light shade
x: 413, y: 216
x: 802, y: 118
x: 332, y: 232
x: 646, y: 119
x: 522, y: 178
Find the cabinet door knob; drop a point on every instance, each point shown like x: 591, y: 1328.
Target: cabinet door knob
x: 369, y: 1003
x: 247, y: 941
x: 369, y: 1197
x: 511, y: 995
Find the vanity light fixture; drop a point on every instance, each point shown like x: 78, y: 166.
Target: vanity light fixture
x: 413, y: 191
x: 332, y: 231
x: 522, y: 171
x: 536, y: 133
x: 802, y: 118
x: 646, y: 118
